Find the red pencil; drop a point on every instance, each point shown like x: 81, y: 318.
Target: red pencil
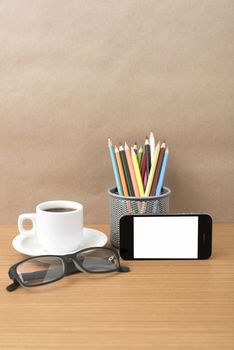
x: 143, y: 167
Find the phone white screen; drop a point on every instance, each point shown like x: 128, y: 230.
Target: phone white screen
x: 165, y: 237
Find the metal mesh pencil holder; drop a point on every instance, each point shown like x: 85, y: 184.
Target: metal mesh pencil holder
x: 121, y: 205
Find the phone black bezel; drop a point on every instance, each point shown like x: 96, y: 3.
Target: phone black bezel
x: 204, y: 236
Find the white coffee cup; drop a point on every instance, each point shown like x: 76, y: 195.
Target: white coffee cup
x: 57, y: 224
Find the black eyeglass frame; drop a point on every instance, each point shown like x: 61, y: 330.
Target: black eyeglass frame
x: 67, y: 270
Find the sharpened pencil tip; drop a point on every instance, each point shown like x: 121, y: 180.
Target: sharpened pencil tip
x: 146, y: 141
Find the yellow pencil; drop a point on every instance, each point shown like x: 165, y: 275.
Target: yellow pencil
x: 137, y: 172
x: 152, y: 170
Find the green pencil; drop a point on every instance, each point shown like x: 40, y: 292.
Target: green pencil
x: 139, y: 156
x: 126, y: 170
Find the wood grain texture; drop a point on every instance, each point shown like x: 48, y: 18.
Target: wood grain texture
x: 158, y: 305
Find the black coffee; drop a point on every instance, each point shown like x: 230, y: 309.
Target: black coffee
x: 59, y: 210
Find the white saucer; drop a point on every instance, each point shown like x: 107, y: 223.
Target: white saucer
x: 31, y: 246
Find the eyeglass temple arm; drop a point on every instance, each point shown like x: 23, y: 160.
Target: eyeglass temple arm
x: 38, y: 274
x: 124, y: 268
x: 13, y: 286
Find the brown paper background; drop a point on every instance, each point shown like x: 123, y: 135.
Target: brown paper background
x: 75, y: 72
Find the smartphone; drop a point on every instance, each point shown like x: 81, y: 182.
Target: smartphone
x: 172, y: 236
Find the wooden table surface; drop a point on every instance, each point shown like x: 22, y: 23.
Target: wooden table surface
x: 158, y: 305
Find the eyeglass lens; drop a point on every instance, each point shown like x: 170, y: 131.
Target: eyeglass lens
x: 98, y: 260
x: 40, y: 270
x: 37, y: 271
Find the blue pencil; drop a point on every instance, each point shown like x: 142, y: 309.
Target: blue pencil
x: 162, y: 173
x: 115, y: 168
x: 135, y: 148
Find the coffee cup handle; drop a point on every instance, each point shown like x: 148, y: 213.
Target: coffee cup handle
x: 22, y: 218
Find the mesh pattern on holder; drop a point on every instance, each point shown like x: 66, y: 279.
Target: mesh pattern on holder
x: 120, y: 206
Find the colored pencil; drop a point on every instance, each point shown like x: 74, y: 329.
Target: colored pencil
x: 139, y: 156
x: 131, y: 170
x: 115, y: 168
x: 162, y: 173
x: 135, y: 147
x: 126, y: 170
x: 137, y: 172
x: 148, y: 160
x: 121, y: 172
x: 158, y: 169
x: 152, y: 170
x: 143, y: 167
x: 152, y: 146
x: 145, y: 180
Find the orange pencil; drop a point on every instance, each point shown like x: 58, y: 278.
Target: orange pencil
x: 121, y: 171
x: 132, y: 171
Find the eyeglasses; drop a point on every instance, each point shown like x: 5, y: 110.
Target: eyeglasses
x: 45, y: 269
